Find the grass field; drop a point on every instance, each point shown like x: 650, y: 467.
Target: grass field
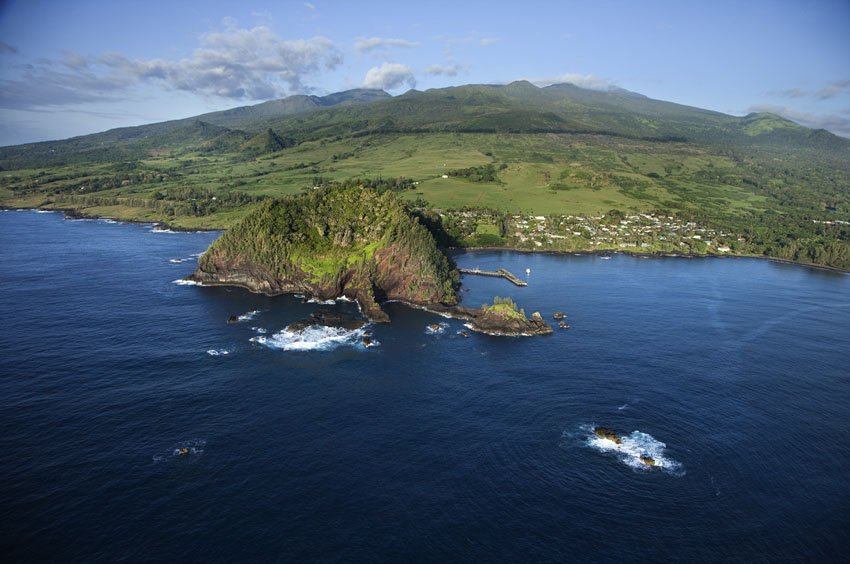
x: 542, y: 173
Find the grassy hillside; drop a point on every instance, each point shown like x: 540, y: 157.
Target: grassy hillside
x: 782, y: 188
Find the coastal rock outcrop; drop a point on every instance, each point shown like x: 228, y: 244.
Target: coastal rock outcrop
x: 326, y: 318
x: 648, y: 460
x: 608, y: 433
x: 503, y: 317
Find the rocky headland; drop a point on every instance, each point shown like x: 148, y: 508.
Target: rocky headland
x: 353, y: 242
x: 333, y: 242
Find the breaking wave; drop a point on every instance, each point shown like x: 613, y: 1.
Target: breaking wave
x: 178, y: 261
x: 436, y: 328
x: 260, y: 330
x: 218, y: 352
x: 321, y: 302
x: 314, y: 338
x: 158, y: 229
x: 632, y: 447
x: 249, y: 315
x: 184, y: 282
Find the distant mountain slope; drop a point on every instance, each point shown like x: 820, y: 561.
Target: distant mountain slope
x: 518, y: 107
x: 134, y: 142
x: 247, y: 117
x: 521, y: 107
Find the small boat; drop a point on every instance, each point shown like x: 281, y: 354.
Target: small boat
x: 182, y: 451
x: 528, y: 272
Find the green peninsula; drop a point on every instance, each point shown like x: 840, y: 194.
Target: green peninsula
x: 341, y: 240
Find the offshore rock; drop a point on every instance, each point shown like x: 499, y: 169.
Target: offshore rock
x: 327, y: 318
x: 608, y: 433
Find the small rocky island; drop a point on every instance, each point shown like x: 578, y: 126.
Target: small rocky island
x: 352, y: 241
x: 503, y: 317
x: 608, y: 433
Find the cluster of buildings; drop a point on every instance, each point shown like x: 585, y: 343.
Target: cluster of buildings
x: 636, y: 232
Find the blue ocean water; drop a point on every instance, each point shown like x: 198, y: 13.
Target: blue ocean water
x: 731, y: 373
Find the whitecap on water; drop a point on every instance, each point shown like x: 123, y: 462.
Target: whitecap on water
x: 218, y: 352
x: 260, y: 330
x: 632, y: 447
x: 178, y: 261
x: 314, y: 338
x: 158, y: 229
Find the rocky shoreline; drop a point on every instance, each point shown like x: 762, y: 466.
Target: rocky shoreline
x: 73, y: 213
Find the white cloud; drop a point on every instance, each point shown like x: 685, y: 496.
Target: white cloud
x: 237, y: 63
x: 834, y: 123
x: 309, y: 6
x: 588, y: 81
x: 487, y: 41
x: 444, y: 70
x: 389, y: 76
x: 367, y: 44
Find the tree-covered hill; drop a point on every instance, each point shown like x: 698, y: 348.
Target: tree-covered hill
x: 338, y: 240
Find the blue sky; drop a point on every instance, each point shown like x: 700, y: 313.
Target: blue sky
x: 74, y: 67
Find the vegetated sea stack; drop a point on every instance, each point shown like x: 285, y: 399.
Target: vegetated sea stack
x: 335, y: 241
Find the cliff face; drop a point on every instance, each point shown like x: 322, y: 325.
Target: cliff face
x: 338, y: 241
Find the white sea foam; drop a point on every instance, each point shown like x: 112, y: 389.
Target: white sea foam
x: 218, y: 352
x: 107, y: 220
x: 436, y: 328
x: 260, y: 330
x: 178, y: 261
x: 313, y: 338
x: 631, y: 448
x: 44, y: 211
x: 184, y: 282
x: 248, y: 315
x: 321, y: 302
